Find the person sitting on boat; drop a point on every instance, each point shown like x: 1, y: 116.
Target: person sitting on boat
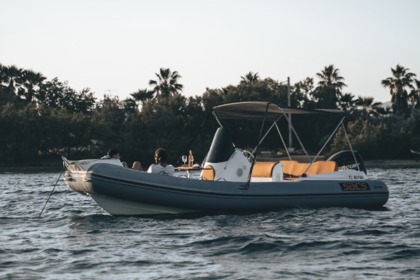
x: 161, y: 167
x: 112, y: 153
x: 116, y: 154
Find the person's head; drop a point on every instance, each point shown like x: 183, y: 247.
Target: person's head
x: 137, y: 165
x: 161, y: 155
x: 114, y: 153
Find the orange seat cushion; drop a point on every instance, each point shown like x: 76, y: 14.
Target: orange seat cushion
x: 207, y: 173
x: 263, y: 168
x: 321, y: 167
x: 293, y: 169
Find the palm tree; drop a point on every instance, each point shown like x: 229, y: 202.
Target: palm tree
x: 328, y: 91
x: 32, y: 81
x: 397, y: 84
x: 329, y: 77
x: 167, y: 83
x: 250, y: 78
x: 346, y: 102
x: 366, y: 108
x: 12, y: 76
x: 142, y: 95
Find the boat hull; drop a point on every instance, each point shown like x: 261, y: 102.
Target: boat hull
x: 122, y: 191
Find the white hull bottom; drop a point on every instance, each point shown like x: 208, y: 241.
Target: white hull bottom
x: 119, y: 207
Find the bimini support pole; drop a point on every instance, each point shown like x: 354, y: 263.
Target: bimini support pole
x: 217, y: 119
x: 246, y: 186
x: 265, y: 135
x: 261, y: 139
x: 283, y: 142
x: 351, y: 148
x: 297, y: 137
x: 325, y: 144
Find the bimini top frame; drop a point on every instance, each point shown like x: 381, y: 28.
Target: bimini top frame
x: 270, y: 112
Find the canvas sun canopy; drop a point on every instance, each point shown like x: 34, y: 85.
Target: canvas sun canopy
x: 258, y: 110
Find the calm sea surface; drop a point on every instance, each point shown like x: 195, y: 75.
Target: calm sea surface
x: 75, y: 239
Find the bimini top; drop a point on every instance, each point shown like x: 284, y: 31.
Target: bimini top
x: 259, y: 110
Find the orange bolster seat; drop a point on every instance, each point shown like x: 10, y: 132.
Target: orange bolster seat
x: 208, y: 173
x: 289, y: 169
x: 321, y: 167
x: 263, y: 168
x: 293, y: 169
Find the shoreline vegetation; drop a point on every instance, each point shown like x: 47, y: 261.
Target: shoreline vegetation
x: 41, y: 118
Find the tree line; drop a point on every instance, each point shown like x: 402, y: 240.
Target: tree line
x: 41, y: 119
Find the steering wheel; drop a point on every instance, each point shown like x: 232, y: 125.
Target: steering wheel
x: 249, y: 156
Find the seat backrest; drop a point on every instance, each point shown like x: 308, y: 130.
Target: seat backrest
x: 321, y: 167
x: 294, y: 169
x: 290, y: 168
x: 263, y: 168
x: 207, y: 173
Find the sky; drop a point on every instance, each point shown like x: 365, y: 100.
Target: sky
x: 115, y: 47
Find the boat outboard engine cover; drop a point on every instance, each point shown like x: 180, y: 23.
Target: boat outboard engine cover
x: 345, y: 160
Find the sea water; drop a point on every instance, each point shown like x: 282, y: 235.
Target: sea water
x: 75, y: 239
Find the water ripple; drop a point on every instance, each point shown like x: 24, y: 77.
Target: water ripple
x: 75, y: 239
